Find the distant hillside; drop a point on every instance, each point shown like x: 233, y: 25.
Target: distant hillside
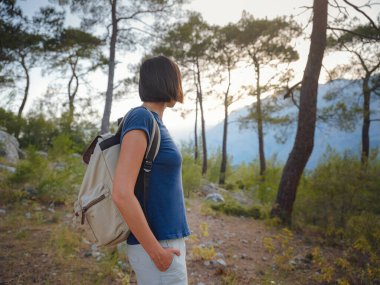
x: 243, y: 145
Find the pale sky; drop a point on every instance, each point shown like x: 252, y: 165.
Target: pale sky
x: 214, y: 12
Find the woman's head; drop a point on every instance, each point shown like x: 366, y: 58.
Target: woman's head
x: 160, y: 80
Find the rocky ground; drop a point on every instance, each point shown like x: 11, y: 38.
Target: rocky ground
x: 38, y: 246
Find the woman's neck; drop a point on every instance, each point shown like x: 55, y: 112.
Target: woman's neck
x: 157, y: 107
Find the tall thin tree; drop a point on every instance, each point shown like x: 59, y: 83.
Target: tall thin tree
x: 123, y: 22
x: 304, y: 141
x: 265, y: 43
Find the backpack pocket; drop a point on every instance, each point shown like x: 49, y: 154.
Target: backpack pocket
x: 100, y: 218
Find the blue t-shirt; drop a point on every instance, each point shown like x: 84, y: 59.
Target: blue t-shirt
x: 165, y: 207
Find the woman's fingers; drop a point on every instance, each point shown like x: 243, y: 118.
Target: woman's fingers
x: 166, y: 259
x: 175, y: 251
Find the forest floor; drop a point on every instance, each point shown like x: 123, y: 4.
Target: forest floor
x: 38, y: 246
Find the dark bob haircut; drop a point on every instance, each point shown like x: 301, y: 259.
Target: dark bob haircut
x: 160, y: 80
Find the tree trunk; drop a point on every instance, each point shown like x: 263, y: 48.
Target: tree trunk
x: 111, y: 72
x: 26, y: 89
x: 196, y: 129
x: 223, y: 164
x: 71, y: 95
x: 203, y: 125
x: 366, y: 121
x: 304, y: 141
x: 260, y: 133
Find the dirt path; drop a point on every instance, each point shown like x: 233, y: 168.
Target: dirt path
x: 39, y: 247
x: 240, y: 243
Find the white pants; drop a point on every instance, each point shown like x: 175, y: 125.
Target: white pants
x: 147, y: 272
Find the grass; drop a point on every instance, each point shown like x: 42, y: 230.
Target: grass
x: 44, y: 249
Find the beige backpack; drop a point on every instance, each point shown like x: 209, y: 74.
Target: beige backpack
x: 95, y: 211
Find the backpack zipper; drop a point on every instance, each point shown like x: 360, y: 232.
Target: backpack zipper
x: 92, y: 203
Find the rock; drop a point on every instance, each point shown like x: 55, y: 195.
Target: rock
x: 201, y: 283
x: 85, y: 241
x: 219, y: 254
x: 3, y: 211
x: 42, y: 153
x: 31, y: 191
x: 76, y: 155
x: 215, y: 197
x: 206, y: 263
x: 221, y: 262
x: 88, y: 254
x: 59, y: 166
x: 8, y: 168
x: 122, y: 249
x: 9, y: 147
x: 28, y: 215
x: 210, y: 188
x: 123, y: 266
x: 241, y: 197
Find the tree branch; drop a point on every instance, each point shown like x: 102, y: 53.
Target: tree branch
x: 149, y: 11
x: 354, y: 33
x: 363, y: 13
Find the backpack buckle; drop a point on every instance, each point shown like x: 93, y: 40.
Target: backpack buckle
x: 147, y: 167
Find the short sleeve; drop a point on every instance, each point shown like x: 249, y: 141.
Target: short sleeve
x: 137, y: 119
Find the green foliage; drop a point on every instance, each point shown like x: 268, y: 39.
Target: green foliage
x: 233, y: 208
x: 340, y: 201
x: 62, y: 146
x: 191, y: 173
x: 213, y: 169
x: 38, y: 131
x: 10, y: 122
x: 247, y: 177
x: 30, y: 170
x: 336, y: 190
x: 55, y: 180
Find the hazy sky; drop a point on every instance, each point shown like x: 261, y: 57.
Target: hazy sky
x: 215, y: 12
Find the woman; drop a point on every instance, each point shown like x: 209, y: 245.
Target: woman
x: 156, y: 247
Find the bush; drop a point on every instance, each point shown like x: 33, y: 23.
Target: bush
x: 213, y: 166
x: 30, y: 170
x: 340, y: 200
x: 191, y: 171
x: 233, y: 208
x: 54, y: 181
x: 338, y: 189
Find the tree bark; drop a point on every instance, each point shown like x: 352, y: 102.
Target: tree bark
x: 223, y: 164
x: 366, y: 121
x: 304, y: 141
x: 26, y: 89
x: 196, y: 129
x: 111, y: 72
x: 260, y: 133
x: 72, y: 95
x: 203, y: 125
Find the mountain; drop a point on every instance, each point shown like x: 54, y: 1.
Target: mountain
x: 243, y: 143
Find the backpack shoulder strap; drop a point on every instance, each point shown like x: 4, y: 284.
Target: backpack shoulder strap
x: 153, y: 146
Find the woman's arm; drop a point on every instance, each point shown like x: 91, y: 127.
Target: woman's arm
x: 131, y: 155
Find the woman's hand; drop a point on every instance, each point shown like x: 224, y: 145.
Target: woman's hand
x: 164, y: 259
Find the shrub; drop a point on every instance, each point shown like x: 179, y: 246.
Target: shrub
x: 336, y: 190
x: 233, y: 208
x: 191, y: 173
x: 52, y: 183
